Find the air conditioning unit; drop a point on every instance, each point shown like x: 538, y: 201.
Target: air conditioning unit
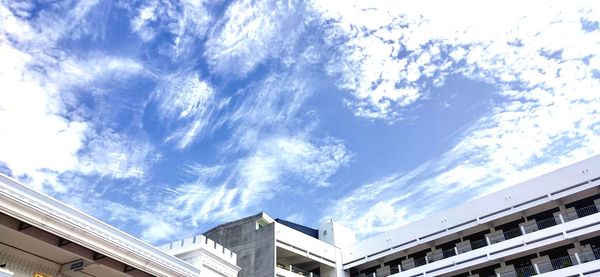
x: 75, y: 265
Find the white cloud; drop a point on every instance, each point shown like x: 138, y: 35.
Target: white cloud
x: 538, y: 56
x: 187, y: 103
x: 146, y: 15
x: 219, y: 193
x: 116, y: 155
x: 156, y: 228
x: 35, y: 138
x: 391, y: 52
x: 44, y: 133
x: 249, y: 33
x: 187, y: 21
x: 377, y: 206
x: 259, y: 176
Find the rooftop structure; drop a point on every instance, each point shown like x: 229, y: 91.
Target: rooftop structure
x: 549, y: 225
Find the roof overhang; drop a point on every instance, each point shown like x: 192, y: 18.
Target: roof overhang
x: 55, y: 217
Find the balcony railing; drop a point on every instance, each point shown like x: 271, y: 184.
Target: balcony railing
x: 581, y: 212
x: 589, y: 256
x: 420, y: 261
x: 441, y: 255
x: 296, y: 270
x: 556, y: 264
x: 513, y: 233
x: 506, y: 235
x: 478, y: 244
x: 539, y: 225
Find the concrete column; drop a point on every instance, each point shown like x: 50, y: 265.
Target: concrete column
x: 562, y: 219
x: 522, y: 230
x: 562, y: 208
x: 577, y: 258
x: 537, y: 270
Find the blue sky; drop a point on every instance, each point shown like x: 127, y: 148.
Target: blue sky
x: 165, y: 118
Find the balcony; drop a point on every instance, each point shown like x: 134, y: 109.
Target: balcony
x: 544, y: 264
x: 527, y: 227
x: 297, y: 271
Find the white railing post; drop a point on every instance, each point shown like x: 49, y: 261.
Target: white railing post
x: 487, y: 239
x: 522, y: 229
x: 310, y: 274
x: 577, y: 258
x: 456, y: 250
x: 537, y: 269
x: 426, y: 260
x: 562, y: 220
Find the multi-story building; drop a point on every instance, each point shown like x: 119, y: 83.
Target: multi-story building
x: 549, y: 225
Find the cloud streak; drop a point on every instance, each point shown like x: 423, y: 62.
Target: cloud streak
x: 536, y: 57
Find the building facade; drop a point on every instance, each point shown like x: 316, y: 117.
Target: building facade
x: 42, y: 237
x: 549, y: 226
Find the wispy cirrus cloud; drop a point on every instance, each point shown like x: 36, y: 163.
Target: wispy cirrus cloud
x: 186, y: 103
x: 229, y: 191
x: 250, y: 32
x: 187, y: 22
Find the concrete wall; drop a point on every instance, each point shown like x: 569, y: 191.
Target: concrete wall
x: 336, y: 234
x: 255, y: 248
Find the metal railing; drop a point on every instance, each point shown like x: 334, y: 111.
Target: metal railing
x: 513, y: 233
x: 506, y: 235
x: 589, y: 256
x: 581, y: 212
x: 556, y: 264
x: 520, y: 272
x: 478, y: 244
x: 296, y: 270
x: 441, y: 255
x: 525, y: 271
x: 539, y: 225
x: 420, y: 261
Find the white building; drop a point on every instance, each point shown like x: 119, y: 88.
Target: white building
x: 40, y: 236
x: 547, y: 226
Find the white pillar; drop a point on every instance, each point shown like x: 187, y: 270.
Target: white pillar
x: 562, y: 220
x: 577, y: 258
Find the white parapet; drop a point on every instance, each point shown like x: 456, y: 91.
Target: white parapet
x: 205, y: 254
